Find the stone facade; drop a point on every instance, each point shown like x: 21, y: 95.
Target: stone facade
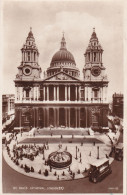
x: 61, y: 98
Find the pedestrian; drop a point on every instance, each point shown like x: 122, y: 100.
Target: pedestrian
x: 73, y: 176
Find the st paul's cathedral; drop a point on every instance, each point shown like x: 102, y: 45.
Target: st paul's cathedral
x: 61, y: 98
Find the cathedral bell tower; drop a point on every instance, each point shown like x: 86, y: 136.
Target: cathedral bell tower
x: 94, y: 72
x: 29, y: 68
x: 29, y: 72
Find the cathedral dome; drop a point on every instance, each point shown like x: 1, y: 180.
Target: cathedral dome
x: 63, y: 59
x: 63, y: 56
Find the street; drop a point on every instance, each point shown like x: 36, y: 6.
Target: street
x: 14, y: 182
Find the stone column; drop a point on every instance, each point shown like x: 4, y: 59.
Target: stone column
x: 30, y: 96
x: 34, y: 93
x: 21, y: 94
x: 100, y: 57
x: 69, y: 92
x: 37, y: 92
x: 89, y: 93
x: 24, y: 95
x: 84, y: 94
x: 54, y: 93
x: 102, y: 96
x: 65, y: 93
x: 58, y: 93
x: 47, y: 93
x: 90, y: 57
x: 75, y: 93
x: 105, y: 93
x: 79, y: 93
x: 43, y: 93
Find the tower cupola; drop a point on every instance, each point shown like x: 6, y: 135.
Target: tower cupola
x: 93, y: 54
x: 29, y: 50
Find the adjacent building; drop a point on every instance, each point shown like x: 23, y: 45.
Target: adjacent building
x: 117, y: 107
x: 61, y: 98
x: 8, y: 102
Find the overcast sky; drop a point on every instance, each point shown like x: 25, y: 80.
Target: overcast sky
x: 77, y: 19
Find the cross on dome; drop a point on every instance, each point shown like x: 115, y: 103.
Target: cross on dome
x: 63, y: 33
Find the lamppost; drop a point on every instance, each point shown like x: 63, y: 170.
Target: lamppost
x: 76, y: 153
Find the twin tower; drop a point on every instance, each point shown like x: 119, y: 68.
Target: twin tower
x: 61, y: 96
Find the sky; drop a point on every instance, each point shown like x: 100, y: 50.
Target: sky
x: 48, y: 20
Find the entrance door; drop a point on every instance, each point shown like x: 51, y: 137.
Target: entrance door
x: 95, y: 119
x: 62, y: 116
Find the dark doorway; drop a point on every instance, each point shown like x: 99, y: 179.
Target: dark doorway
x: 72, y: 93
x: 82, y: 118
x: 95, y: 119
x: 72, y: 117
x: 62, y: 116
x: 40, y: 117
x: 61, y: 92
x: 51, y: 116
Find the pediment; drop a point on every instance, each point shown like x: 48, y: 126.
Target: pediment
x: 61, y: 76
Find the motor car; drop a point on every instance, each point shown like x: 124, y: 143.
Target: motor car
x: 119, y: 152
x: 99, y: 169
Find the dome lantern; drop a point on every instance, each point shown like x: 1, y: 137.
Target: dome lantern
x: 63, y: 43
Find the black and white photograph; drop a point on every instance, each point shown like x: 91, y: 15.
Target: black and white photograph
x: 62, y: 99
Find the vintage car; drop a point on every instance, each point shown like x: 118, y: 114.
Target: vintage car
x: 119, y: 152
x: 99, y: 169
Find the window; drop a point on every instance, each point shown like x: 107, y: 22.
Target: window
x: 95, y: 94
x: 28, y: 56
x: 27, y: 93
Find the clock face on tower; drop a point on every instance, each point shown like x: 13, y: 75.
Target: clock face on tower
x: 95, y: 71
x: 27, y: 70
